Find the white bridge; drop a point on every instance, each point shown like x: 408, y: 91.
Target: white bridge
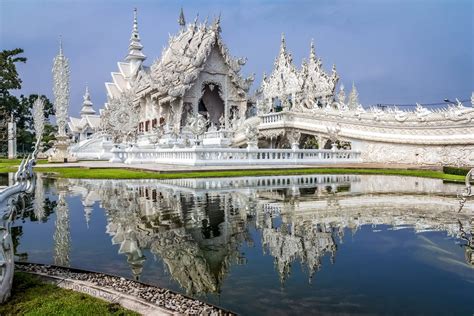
x: 391, y: 136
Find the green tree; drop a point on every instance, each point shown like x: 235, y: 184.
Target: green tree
x: 9, y: 78
x: 20, y: 108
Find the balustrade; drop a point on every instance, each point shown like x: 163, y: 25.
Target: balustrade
x: 232, y: 156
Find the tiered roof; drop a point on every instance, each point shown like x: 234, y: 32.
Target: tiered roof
x: 88, y: 116
x: 185, y: 57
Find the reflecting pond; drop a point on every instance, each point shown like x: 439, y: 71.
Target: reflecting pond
x: 313, y: 244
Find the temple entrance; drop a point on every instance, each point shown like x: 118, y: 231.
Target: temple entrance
x: 211, y: 104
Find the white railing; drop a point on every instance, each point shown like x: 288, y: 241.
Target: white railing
x: 273, y: 117
x: 222, y: 133
x: 232, y: 156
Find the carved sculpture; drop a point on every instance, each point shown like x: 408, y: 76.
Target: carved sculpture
x: 120, y: 118
x: 61, y: 104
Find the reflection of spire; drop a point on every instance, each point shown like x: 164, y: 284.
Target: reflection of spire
x: 87, y: 214
x: 62, y: 238
x: 38, y: 203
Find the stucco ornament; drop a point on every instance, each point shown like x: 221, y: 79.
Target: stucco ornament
x: 120, y: 118
x: 196, y: 124
x: 316, y: 84
x: 293, y: 137
x: 284, y: 81
x: 421, y: 112
x: 251, y: 133
x: 333, y: 132
x: 38, y: 120
x: 61, y: 89
x: 341, y: 98
x: 353, y: 100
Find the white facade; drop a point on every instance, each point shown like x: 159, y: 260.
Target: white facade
x: 194, y: 98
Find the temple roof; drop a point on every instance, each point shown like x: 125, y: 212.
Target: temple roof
x: 87, y: 104
x: 77, y: 125
x: 185, y: 57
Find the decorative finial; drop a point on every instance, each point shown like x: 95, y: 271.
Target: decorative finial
x: 87, y: 104
x: 60, y: 45
x: 181, y: 19
x: 312, y: 54
x: 87, y: 95
x: 135, y: 47
x: 282, y: 44
x: 135, y: 22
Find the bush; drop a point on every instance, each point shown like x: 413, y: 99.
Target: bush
x: 455, y: 170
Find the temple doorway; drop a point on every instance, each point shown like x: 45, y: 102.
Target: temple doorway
x: 211, y: 104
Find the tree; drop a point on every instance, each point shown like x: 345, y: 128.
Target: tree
x: 20, y: 108
x: 9, y: 78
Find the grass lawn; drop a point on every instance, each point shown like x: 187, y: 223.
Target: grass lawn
x: 30, y: 296
x: 11, y: 165
x: 7, y: 165
x: 83, y: 173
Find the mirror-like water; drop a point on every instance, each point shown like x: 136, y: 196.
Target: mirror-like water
x: 266, y: 245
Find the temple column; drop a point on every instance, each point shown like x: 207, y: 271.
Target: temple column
x: 11, y: 139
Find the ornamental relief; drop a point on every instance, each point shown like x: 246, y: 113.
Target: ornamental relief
x: 445, y: 155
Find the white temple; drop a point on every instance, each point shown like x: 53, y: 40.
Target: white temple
x: 192, y: 106
x: 88, y: 124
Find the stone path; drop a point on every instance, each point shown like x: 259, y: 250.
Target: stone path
x: 139, y: 297
x: 164, y: 168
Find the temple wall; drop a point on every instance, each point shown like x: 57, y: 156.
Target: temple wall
x: 379, y: 152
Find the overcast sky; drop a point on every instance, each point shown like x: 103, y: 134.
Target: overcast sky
x: 394, y: 51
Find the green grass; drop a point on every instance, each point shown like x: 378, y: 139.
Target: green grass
x: 7, y: 165
x: 109, y: 173
x: 11, y: 165
x: 31, y: 296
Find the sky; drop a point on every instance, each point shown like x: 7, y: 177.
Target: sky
x: 396, y: 52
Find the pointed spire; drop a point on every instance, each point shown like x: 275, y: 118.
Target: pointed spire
x: 60, y: 45
x: 87, y: 104
x: 353, y: 101
x: 135, y: 48
x: 312, y: 53
x: 218, y: 23
x: 283, y: 43
x: 181, y: 20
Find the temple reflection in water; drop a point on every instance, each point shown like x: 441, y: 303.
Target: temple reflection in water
x: 197, y: 226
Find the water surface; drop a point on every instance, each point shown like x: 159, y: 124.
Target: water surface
x: 316, y: 244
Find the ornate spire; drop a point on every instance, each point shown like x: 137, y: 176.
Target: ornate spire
x: 353, y: 101
x: 181, y: 20
x: 218, y: 23
x: 60, y: 45
x: 283, y: 44
x: 87, y: 104
x: 61, y: 89
x: 312, y: 54
x: 135, y: 48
